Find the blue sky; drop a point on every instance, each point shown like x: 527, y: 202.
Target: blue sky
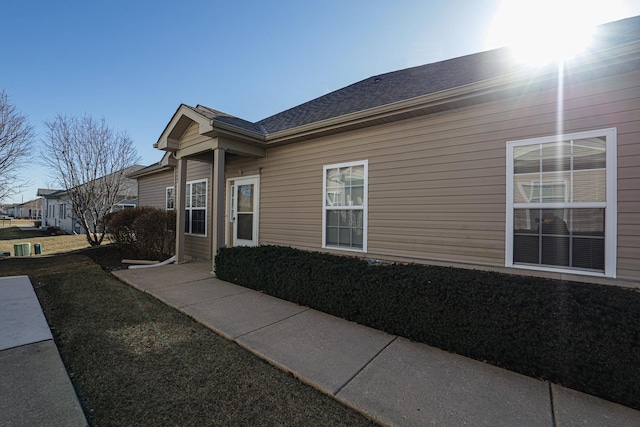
x: 135, y: 61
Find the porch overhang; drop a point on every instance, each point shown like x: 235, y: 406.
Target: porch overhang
x: 230, y: 146
x: 180, y: 122
x: 217, y: 136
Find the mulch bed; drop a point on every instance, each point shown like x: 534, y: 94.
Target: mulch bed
x: 109, y: 257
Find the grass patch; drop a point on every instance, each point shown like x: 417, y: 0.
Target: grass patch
x: 50, y: 244
x: 14, y: 232
x: 12, y: 222
x: 136, y: 361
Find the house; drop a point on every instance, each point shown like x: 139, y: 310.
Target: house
x: 9, y: 209
x: 42, y: 193
x: 475, y: 162
x: 31, y: 209
x: 58, y: 211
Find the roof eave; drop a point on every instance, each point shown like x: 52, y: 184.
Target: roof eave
x: 457, y: 96
x: 389, y: 112
x: 222, y: 128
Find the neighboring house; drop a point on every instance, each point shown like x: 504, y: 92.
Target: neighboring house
x: 58, y: 207
x: 42, y: 193
x: 31, y: 209
x: 27, y: 210
x: 475, y: 162
x: 9, y: 209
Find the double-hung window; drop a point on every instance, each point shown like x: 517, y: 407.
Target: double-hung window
x: 344, y: 193
x: 561, y: 203
x: 196, y: 208
x: 170, y: 198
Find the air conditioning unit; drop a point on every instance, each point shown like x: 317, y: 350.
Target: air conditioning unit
x: 22, y: 249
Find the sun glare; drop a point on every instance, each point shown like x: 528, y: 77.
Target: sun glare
x: 544, y: 31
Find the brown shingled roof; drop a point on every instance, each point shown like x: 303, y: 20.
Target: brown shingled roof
x: 397, y: 86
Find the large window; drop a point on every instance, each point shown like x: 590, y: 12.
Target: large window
x: 196, y: 208
x: 344, y: 220
x: 561, y: 203
x: 170, y: 198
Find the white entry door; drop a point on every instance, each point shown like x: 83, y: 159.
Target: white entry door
x: 244, y: 214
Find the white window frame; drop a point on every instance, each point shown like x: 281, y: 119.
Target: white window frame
x: 189, y: 208
x: 173, y: 198
x: 610, y: 205
x: 364, y: 208
x: 122, y: 206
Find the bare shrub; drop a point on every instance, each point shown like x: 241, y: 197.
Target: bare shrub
x: 144, y: 232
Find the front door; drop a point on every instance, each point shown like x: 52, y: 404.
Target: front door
x: 244, y: 211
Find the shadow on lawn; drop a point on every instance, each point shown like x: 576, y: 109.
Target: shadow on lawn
x: 136, y: 361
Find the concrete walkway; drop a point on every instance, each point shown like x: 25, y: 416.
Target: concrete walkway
x: 390, y: 379
x: 35, y: 389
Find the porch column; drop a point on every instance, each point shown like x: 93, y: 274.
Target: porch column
x: 217, y: 214
x: 180, y: 207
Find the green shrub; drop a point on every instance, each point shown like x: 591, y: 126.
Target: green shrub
x: 583, y: 336
x: 143, y: 232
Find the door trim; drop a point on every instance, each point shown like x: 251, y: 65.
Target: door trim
x: 231, y: 186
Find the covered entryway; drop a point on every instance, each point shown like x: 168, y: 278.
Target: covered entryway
x: 204, y: 135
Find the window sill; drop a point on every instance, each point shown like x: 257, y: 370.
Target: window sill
x: 342, y: 248
x: 561, y: 270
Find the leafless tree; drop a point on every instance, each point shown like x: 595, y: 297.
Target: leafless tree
x: 16, y: 136
x: 89, y: 160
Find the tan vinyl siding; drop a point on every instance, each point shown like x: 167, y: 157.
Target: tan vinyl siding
x: 199, y: 247
x: 152, y: 192
x: 629, y: 198
x: 191, y: 136
x: 437, y: 184
x: 152, y: 189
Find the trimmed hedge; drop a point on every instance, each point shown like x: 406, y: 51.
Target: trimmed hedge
x: 143, y: 232
x: 583, y: 336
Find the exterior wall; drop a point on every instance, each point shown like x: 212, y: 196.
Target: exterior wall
x: 199, y: 247
x: 55, y: 219
x: 31, y: 209
x: 152, y: 189
x: 152, y: 192
x: 437, y: 184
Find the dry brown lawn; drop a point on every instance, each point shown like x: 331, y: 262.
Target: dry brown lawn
x: 16, y: 223
x: 50, y: 244
x: 135, y: 361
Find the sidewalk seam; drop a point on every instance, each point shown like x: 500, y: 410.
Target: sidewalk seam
x: 271, y: 324
x: 179, y: 284
x: 214, y: 299
x: 20, y: 299
x: 553, y: 410
x: 364, y: 366
x: 28, y: 344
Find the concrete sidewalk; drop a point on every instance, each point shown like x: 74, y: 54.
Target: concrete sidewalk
x: 35, y: 389
x: 390, y: 379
